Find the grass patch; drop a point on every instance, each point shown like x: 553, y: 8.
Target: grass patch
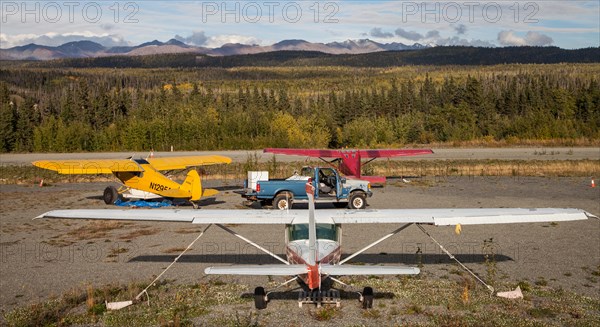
x: 116, y: 251
x: 174, y: 250
x: 414, y: 309
x: 140, y: 232
x: 188, y: 231
x: 541, y: 313
x: 325, y: 313
x: 371, y: 313
x: 428, y: 302
x: 238, y: 319
x: 95, y: 229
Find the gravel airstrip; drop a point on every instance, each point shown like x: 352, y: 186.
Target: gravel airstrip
x: 44, y: 258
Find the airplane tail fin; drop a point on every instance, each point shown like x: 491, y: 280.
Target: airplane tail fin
x: 193, y: 185
x: 312, y: 226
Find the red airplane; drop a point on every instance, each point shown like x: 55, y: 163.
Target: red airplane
x: 350, y: 159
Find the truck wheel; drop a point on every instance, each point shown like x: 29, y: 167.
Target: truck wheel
x: 282, y: 201
x: 110, y: 195
x: 358, y: 200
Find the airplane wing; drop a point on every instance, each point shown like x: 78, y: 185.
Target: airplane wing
x: 393, y: 153
x: 437, y: 217
x: 92, y: 166
x: 342, y: 270
x: 338, y: 153
x: 454, y: 216
x: 170, y: 163
x: 306, y: 152
x: 291, y: 270
x: 257, y: 270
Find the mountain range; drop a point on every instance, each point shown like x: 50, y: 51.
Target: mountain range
x: 89, y: 49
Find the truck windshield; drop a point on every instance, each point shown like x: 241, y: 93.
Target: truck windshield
x: 324, y: 232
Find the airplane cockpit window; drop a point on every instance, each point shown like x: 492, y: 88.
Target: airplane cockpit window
x: 324, y: 232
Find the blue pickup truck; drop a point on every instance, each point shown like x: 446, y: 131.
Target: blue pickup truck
x: 330, y: 187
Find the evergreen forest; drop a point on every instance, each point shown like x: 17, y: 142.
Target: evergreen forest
x: 60, y: 109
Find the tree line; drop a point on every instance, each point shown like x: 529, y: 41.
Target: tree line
x: 60, y: 110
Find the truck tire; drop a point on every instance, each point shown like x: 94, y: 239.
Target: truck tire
x: 110, y: 195
x: 358, y: 200
x: 282, y: 201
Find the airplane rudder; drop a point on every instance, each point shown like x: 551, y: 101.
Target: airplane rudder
x: 192, y: 184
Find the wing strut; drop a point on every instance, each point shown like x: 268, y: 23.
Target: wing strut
x: 489, y: 287
x: 281, y: 285
x: 375, y: 243
x: 253, y: 244
x: 123, y: 304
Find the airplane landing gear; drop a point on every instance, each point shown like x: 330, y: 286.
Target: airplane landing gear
x: 110, y: 195
x: 319, y: 298
x: 367, y: 298
x: 260, y: 298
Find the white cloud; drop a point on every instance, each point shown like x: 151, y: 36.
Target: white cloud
x: 219, y: 40
x: 432, y: 34
x: 409, y: 35
x: 510, y: 38
x: 460, y: 28
x: 197, y: 38
x: 55, y: 39
x: 538, y: 39
x: 377, y: 32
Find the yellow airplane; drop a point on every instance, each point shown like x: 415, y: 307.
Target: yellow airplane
x: 142, y: 178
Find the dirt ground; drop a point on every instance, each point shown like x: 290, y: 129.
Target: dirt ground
x: 42, y: 258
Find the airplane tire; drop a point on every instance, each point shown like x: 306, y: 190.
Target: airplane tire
x: 358, y: 200
x: 282, y: 201
x: 367, y: 298
x: 110, y: 195
x: 259, y: 298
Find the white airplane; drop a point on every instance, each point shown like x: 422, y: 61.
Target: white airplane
x: 313, y: 239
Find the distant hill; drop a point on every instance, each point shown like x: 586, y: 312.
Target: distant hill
x: 427, y: 56
x: 88, y: 49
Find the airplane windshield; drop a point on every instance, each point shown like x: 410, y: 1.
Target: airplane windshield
x: 324, y: 232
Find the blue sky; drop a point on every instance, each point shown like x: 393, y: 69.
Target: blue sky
x: 567, y: 24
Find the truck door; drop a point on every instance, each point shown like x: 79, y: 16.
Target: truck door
x: 338, y: 184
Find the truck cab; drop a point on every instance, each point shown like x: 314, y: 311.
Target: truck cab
x: 330, y: 187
